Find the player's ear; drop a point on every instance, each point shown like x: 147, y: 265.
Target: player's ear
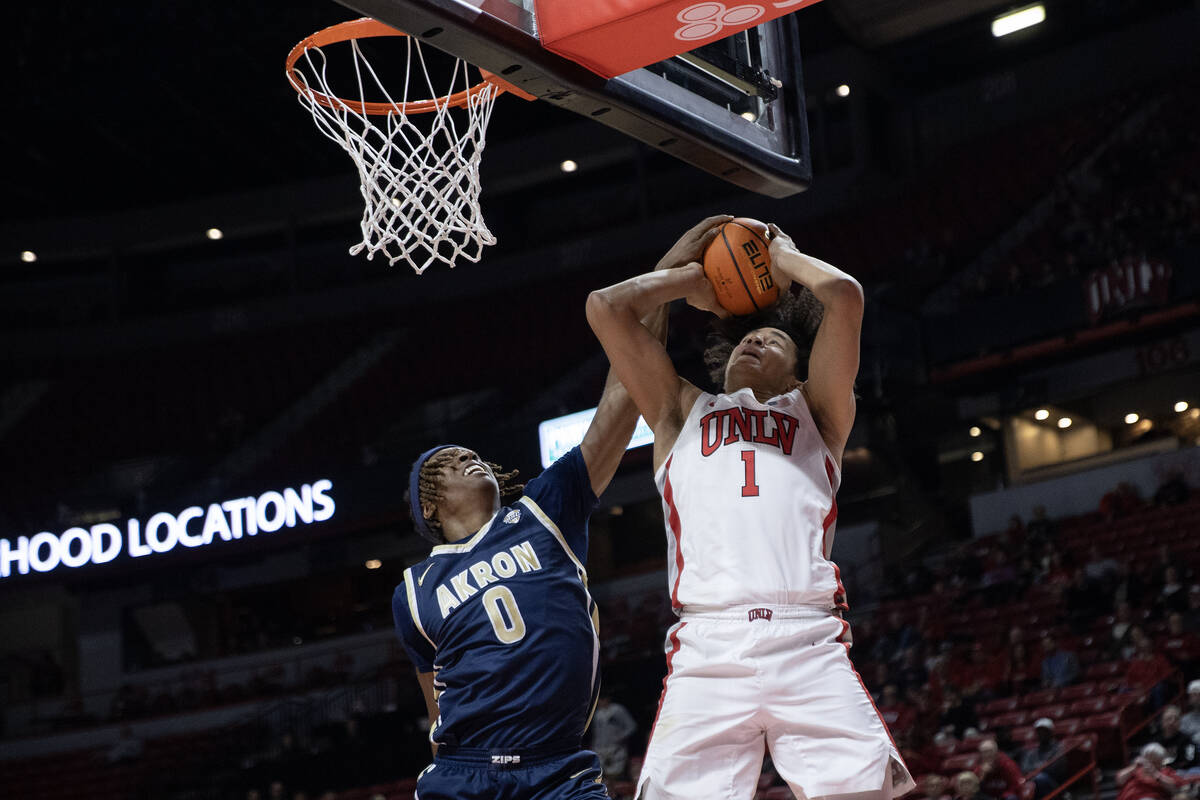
x: 428, y: 509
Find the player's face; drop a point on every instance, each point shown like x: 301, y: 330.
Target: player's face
x: 764, y: 359
x: 465, y: 482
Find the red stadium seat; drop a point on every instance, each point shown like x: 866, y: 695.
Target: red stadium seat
x: 1068, y: 727
x: 1042, y: 697
x: 1022, y: 735
x: 1078, y: 692
x: 1001, y: 705
x: 1056, y: 711
x: 1109, y: 669
x: 1012, y: 719
x: 1092, y: 705
x: 959, y: 762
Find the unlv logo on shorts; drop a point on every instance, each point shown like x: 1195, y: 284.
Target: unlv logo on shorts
x: 759, y: 613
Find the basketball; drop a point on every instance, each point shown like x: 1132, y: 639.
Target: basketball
x: 738, y: 265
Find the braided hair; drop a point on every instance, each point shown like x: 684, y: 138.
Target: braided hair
x: 429, y: 485
x: 798, y: 314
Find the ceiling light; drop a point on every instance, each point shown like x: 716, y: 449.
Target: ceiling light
x: 28, y: 256
x: 975, y: 431
x: 843, y: 90
x: 215, y: 234
x: 373, y: 563
x: 1131, y: 418
x: 1064, y: 422
x: 568, y: 166
x: 977, y: 456
x: 1181, y: 406
x: 1017, y: 20
x: 749, y: 115
x: 1041, y: 413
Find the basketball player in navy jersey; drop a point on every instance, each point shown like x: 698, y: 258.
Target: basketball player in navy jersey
x: 748, y: 478
x: 498, y: 620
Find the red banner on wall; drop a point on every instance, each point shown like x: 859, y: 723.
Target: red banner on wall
x: 612, y: 37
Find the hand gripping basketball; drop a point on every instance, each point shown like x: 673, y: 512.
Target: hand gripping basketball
x: 738, y: 265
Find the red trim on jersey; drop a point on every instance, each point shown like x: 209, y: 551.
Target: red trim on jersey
x: 839, y: 597
x: 673, y: 521
x: 871, y: 700
x: 674, y: 637
x: 831, y: 517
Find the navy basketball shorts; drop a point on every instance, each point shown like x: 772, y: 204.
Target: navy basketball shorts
x: 470, y: 774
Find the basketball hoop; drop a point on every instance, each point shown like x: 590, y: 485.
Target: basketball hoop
x: 420, y: 184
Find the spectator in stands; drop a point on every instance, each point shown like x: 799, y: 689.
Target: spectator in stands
x: 1147, y: 672
x: 1191, y: 617
x: 999, y: 775
x: 1173, y: 595
x: 1148, y: 777
x: 1120, y: 640
x: 1022, y: 671
x: 934, y: 787
x: 1189, y: 723
x: 1084, y: 600
x: 276, y: 791
x: 1059, y: 667
x: 1182, y: 753
x: 966, y: 787
x: 980, y: 674
x: 1045, y: 749
x: 897, y: 637
x: 612, y: 725
x: 1173, y: 491
x: 957, y: 713
x: 1101, y: 570
x: 1040, y: 531
x: 1181, y: 647
x: 898, y: 715
x: 1131, y: 586
x: 1120, y: 501
x: 911, y: 672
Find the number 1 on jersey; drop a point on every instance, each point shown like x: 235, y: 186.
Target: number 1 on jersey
x: 750, y: 487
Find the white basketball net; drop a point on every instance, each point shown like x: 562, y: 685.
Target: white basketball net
x: 420, y: 184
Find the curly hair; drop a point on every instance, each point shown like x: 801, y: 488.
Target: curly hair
x: 798, y: 314
x: 429, y: 486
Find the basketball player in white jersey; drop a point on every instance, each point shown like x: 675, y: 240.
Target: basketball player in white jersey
x: 759, y: 657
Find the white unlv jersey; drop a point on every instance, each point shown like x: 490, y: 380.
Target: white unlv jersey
x: 748, y: 498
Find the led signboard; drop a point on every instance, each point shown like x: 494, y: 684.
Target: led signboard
x: 163, y: 532
x: 557, y: 436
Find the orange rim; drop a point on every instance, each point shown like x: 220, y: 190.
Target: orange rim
x: 368, y: 28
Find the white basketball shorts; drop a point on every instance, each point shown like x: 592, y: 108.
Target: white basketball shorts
x: 745, y: 678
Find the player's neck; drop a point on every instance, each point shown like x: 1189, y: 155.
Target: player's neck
x: 467, y: 522
x: 761, y: 393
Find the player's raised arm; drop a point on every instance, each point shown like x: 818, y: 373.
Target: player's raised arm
x: 639, y: 359
x: 833, y: 361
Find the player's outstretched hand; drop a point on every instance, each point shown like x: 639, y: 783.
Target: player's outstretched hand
x: 701, y: 294
x: 692, y: 244
x: 781, y: 248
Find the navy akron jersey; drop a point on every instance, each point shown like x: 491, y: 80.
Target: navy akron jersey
x: 505, y: 619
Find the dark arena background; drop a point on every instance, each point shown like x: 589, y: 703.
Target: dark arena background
x: 187, y: 346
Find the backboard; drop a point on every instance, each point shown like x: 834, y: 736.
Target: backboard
x: 734, y: 108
